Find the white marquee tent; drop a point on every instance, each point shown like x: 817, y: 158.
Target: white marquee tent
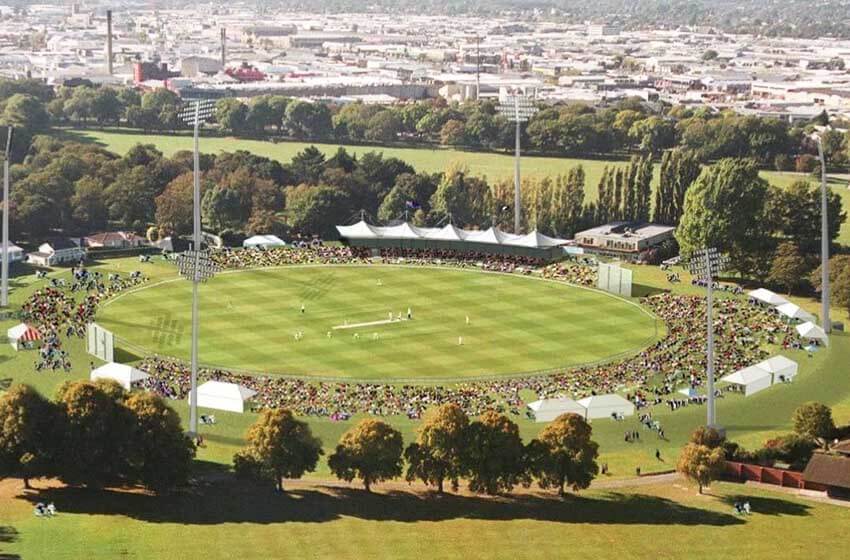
x: 405, y: 231
x: 223, y: 396
x: 767, y: 297
x: 782, y: 368
x: 21, y: 334
x: 794, y: 312
x: 603, y: 406
x: 546, y: 410
x: 122, y: 373
x: 811, y: 331
x: 753, y: 379
x: 263, y: 242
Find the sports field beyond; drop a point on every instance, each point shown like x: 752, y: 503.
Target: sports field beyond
x: 463, y: 323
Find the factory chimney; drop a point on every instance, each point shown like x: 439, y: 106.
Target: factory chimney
x: 109, y: 42
x: 223, y: 48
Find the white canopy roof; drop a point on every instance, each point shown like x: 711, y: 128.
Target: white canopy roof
x: 546, y: 410
x: 812, y: 331
x: 793, y: 311
x: 264, y: 241
x: 753, y: 379
x: 360, y: 230
x: 602, y: 406
x: 122, y: 373
x: 447, y: 233
x: 778, y: 364
x: 491, y: 236
x: 766, y: 296
x: 747, y: 376
x: 223, y: 396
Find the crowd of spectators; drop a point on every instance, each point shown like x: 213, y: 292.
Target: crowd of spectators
x: 652, y: 375
x: 62, y: 310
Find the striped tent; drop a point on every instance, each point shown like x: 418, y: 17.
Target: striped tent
x: 21, y: 334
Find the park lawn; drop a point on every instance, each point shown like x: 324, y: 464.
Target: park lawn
x: 464, y: 322
x: 225, y: 520
x: 494, y: 166
x: 750, y: 421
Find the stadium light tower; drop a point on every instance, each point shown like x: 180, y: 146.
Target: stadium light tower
x: 195, y: 264
x: 4, y: 288
x: 826, y: 324
x: 517, y: 108
x: 707, y: 264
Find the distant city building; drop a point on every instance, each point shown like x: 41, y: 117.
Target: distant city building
x: 602, y: 30
x: 145, y: 71
x: 193, y: 66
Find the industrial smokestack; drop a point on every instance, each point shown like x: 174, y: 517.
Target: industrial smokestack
x: 223, y: 48
x: 109, y: 42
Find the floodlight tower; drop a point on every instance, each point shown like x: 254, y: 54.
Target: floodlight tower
x: 195, y: 264
x: 4, y: 289
x: 824, y: 241
x: 517, y: 108
x: 707, y: 264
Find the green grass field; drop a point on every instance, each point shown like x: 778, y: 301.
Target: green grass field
x: 492, y: 165
x: 225, y: 521
x: 250, y: 319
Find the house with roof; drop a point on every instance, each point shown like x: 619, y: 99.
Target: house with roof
x: 623, y: 238
x: 830, y: 471
x: 57, y: 251
x: 114, y: 240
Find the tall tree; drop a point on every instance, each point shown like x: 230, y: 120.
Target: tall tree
x: 495, y: 455
x: 725, y: 208
x: 279, y: 447
x: 437, y: 454
x: 788, y: 268
x: 370, y: 451
x: 27, y: 434
x: 701, y: 464
x: 563, y: 454
x: 161, y: 453
x: 95, y: 435
x: 813, y: 420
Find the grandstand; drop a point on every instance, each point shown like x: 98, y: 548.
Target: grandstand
x: 450, y: 238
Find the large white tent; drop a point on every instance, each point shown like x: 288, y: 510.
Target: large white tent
x: 223, y: 396
x: 122, y: 373
x: 753, y: 379
x: 604, y: 406
x: 263, y: 242
x: 794, y: 312
x: 782, y: 368
x: 811, y: 331
x: 765, y: 296
x: 405, y: 231
x: 546, y: 410
x: 22, y: 334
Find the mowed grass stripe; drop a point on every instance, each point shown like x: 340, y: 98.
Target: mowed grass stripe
x: 250, y: 318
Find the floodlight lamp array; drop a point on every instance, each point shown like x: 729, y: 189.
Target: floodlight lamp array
x: 200, y: 109
x: 205, y: 269
x: 707, y: 263
x: 517, y: 108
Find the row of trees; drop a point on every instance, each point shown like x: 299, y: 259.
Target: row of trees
x: 565, y: 129
x: 93, y: 434
x: 487, y: 452
x: 731, y: 207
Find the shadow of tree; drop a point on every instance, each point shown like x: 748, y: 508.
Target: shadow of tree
x: 643, y: 290
x: 769, y: 506
x: 230, y: 501
x: 8, y: 535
